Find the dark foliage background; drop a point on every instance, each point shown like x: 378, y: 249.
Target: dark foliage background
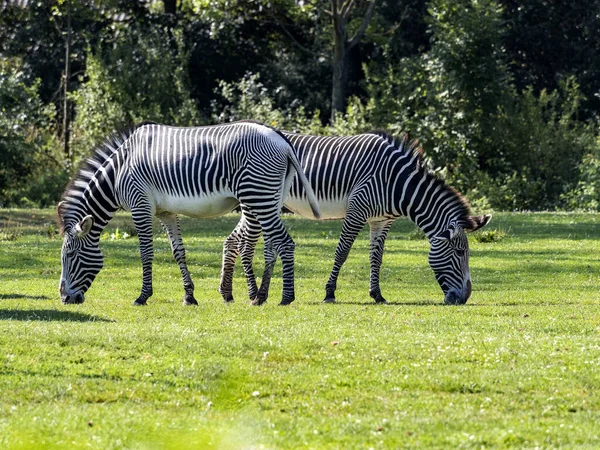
x: 503, y: 95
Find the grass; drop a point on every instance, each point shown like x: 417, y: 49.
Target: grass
x: 517, y: 367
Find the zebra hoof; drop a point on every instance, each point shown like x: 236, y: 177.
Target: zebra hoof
x: 329, y: 300
x: 139, y: 302
x: 285, y: 302
x: 258, y: 301
x: 228, y: 298
x: 189, y: 300
x: 381, y: 301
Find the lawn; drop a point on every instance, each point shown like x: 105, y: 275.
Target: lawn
x: 518, y: 366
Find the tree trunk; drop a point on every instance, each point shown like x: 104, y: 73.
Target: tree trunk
x: 340, y: 71
x: 66, y: 121
x: 340, y: 14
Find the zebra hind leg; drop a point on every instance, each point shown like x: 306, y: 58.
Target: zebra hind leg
x: 263, y: 291
x: 171, y: 226
x: 230, y: 253
x: 286, y: 253
x: 285, y: 250
x: 378, y: 234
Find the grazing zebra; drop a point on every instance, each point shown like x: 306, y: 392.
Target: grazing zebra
x: 370, y: 178
x: 157, y: 170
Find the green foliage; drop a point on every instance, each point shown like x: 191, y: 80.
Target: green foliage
x: 31, y: 167
x: 10, y: 231
x: 144, y: 77
x: 416, y: 235
x: 516, y: 150
x: 249, y: 99
x: 501, y: 94
x: 448, y: 96
x: 586, y: 195
x: 489, y: 236
x: 538, y: 144
x: 116, y: 235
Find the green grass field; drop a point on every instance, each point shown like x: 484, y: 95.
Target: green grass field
x: 517, y: 367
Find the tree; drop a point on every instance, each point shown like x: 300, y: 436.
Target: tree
x: 341, y: 13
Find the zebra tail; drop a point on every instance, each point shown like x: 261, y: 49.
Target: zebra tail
x: 310, y: 194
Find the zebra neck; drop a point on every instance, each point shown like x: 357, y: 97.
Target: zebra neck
x: 95, y: 195
x: 434, y: 205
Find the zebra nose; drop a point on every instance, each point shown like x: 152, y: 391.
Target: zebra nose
x: 61, y: 288
x: 452, y: 298
x: 72, y: 299
x: 469, y: 290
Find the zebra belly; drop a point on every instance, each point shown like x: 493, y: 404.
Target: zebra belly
x: 330, y: 210
x: 211, y: 205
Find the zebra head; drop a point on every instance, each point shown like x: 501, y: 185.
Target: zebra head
x: 81, y: 260
x: 449, y: 258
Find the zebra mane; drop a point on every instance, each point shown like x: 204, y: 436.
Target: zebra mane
x: 413, y: 148
x: 88, y: 168
x: 410, y: 147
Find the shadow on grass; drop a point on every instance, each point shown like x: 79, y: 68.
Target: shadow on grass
x: 440, y: 304
x: 49, y: 315
x: 28, y: 297
x: 378, y: 305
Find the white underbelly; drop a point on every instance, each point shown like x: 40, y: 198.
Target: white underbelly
x: 329, y: 210
x: 210, y: 205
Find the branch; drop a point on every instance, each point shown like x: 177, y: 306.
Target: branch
x: 295, y: 41
x: 363, y: 26
x: 334, y: 8
x: 345, y: 12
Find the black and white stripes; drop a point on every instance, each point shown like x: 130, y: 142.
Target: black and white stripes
x: 371, y: 178
x: 162, y: 171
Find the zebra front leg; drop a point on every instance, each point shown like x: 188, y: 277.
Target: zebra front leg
x: 250, y: 233
x: 143, y: 225
x: 277, y: 241
x: 286, y: 253
x: 230, y: 253
x: 170, y: 223
x: 350, y: 229
x: 379, y: 231
x: 270, y: 258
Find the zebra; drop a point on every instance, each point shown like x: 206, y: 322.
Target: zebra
x: 370, y: 178
x: 157, y: 170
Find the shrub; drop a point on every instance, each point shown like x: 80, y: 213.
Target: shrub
x: 489, y: 236
x: 586, y: 194
x: 141, y: 78
x: 32, y: 169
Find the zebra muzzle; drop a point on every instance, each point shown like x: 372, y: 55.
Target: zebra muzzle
x: 72, y: 299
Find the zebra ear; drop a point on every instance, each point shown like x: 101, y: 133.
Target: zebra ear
x: 83, y: 228
x: 480, y: 222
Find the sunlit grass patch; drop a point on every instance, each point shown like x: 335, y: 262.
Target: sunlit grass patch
x: 517, y: 367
